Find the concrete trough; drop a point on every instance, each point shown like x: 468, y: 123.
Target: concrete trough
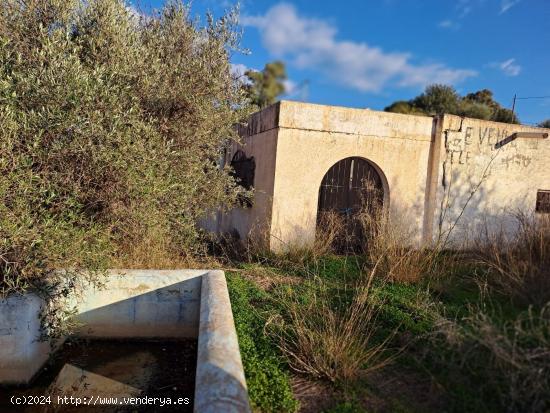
x: 141, y: 304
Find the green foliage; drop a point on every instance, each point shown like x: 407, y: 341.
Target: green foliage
x: 475, y: 110
x: 111, y: 126
x: 504, y: 115
x: 405, y: 307
x: 544, y: 124
x: 265, y: 86
x: 266, y: 375
x: 439, y: 99
x: 484, y: 353
x: 337, y: 269
x: 484, y: 97
x: 402, y: 106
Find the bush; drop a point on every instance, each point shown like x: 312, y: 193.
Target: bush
x: 476, y: 110
x: 112, y: 124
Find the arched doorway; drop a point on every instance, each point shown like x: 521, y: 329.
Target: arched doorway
x: 350, y: 187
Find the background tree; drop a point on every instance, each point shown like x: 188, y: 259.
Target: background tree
x: 504, y: 115
x: 402, y: 106
x: 544, y: 124
x: 479, y: 105
x: 484, y: 97
x: 264, y: 87
x: 472, y: 109
x: 438, y: 99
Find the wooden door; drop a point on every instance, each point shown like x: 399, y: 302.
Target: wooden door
x: 350, y: 187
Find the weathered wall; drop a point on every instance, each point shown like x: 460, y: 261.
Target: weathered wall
x: 21, y: 352
x: 134, y: 303
x: 482, y: 183
x: 439, y: 173
x: 312, y: 138
x: 259, y: 140
x: 142, y: 303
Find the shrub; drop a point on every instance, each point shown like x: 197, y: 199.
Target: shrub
x: 112, y: 124
x: 476, y: 110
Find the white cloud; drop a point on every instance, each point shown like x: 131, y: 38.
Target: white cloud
x: 311, y: 43
x: 291, y: 87
x: 508, y: 67
x: 506, y: 5
x: 238, y: 69
x: 461, y: 9
x: 464, y: 7
x: 449, y: 24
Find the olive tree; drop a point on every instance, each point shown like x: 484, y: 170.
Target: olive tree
x: 111, y: 125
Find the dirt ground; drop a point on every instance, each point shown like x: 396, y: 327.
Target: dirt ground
x: 388, y: 390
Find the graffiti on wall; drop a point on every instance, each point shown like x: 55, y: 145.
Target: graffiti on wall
x: 464, y: 147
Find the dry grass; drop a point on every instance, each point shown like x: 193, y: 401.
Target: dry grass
x: 151, y: 253
x: 392, y: 244
x: 330, y: 233
x: 520, y: 355
x: 519, y: 262
x: 324, y: 342
x: 513, y: 357
x: 333, y: 234
x: 255, y: 249
x: 267, y: 278
x: 337, y: 338
x: 155, y: 249
x: 382, y: 240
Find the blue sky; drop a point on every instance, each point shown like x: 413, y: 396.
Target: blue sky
x: 370, y: 53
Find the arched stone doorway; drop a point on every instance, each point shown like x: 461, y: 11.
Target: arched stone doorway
x: 350, y: 188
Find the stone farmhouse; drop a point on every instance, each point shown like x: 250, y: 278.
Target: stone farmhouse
x: 443, y: 176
